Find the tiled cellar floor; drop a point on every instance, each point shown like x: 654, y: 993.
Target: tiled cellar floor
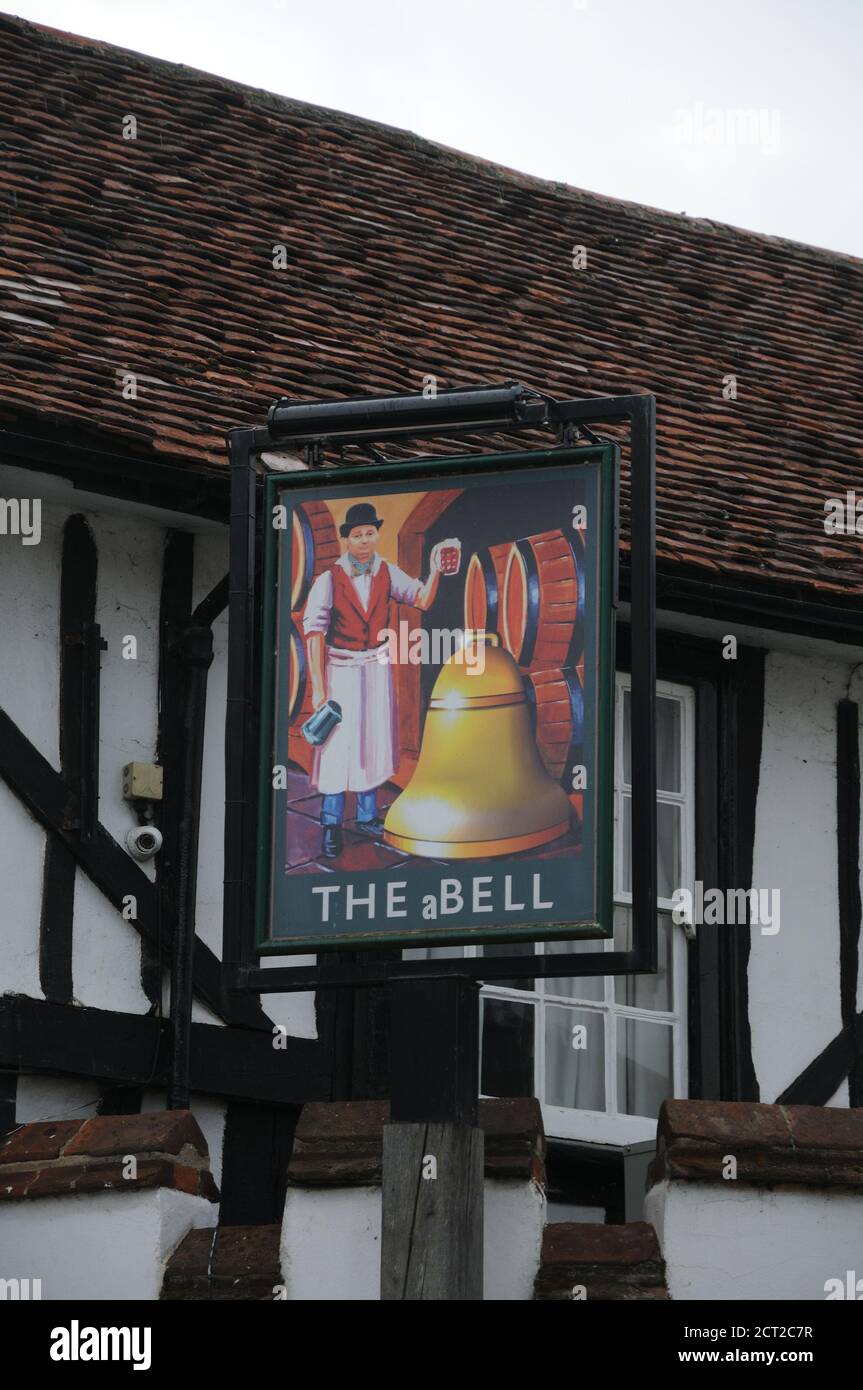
x: 361, y: 851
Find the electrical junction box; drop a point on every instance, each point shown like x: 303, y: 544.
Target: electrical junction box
x: 142, y: 782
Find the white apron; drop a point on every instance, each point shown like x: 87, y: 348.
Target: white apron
x: 362, y: 751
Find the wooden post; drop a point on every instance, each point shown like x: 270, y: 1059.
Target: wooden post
x: 432, y: 1237
x: 432, y: 1226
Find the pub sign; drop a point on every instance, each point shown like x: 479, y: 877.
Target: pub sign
x: 437, y: 702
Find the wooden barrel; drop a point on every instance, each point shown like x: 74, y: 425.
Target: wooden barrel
x: 542, y: 601
x: 556, y: 700
x: 483, y: 586
x: 314, y: 547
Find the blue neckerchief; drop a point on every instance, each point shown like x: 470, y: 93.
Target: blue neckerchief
x: 359, y: 567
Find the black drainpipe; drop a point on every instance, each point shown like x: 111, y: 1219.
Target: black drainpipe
x: 195, y: 651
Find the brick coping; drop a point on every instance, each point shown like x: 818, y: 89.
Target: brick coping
x: 771, y: 1145
x: 120, y: 1153
x: 340, y: 1143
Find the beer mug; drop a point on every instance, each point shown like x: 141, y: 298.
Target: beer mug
x: 449, y: 556
x: 320, y: 725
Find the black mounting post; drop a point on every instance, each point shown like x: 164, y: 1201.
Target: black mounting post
x: 196, y: 651
x: 434, y: 1068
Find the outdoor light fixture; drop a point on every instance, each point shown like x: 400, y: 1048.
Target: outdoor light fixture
x: 509, y: 406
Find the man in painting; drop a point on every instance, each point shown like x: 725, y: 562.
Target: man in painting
x: 347, y: 608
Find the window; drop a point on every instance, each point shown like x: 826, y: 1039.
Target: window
x: 602, y: 1053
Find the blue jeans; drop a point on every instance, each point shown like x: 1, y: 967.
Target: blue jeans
x: 333, y: 809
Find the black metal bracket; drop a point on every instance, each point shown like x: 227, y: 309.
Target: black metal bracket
x: 472, y: 410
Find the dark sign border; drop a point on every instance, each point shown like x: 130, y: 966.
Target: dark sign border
x: 348, y: 481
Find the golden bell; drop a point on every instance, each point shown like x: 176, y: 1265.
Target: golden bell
x: 479, y: 788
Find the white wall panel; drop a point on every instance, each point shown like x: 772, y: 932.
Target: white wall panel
x: 106, y: 954
x: 211, y: 565
x: 50, y: 1097
x: 794, y: 975
x: 30, y: 620
x: 129, y: 581
x: 22, y: 854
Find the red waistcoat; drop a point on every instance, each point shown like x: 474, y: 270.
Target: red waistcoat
x: 352, y: 627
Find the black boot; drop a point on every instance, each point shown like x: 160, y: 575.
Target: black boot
x: 331, y: 841
x: 372, y: 827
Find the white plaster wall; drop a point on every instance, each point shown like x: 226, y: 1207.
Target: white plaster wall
x: 22, y: 856
x: 294, y: 1012
x: 211, y: 565
x: 102, y: 1245
x: 794, y: 975
x: 330, y: 1243
x: 514, y: 1216
x: 127, y: 605
x: 30, y: 619
x: 49, y: 1097
x: 727, y: 1241
x: 106, y: 953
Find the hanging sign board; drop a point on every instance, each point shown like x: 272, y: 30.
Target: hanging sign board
x: 437, y: 702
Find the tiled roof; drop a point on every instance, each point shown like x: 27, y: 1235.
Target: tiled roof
x: 154, y: 256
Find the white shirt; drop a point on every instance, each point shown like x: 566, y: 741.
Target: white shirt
x: 319, y: 604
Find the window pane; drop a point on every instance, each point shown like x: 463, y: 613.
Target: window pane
x: 644, y: 1066
x: 574, y: 1060
x: 625, y: 873
x: 577, y: 986
x: 645, y: 991
x: 521, y: 948
x: 668, y: 847
x: 668, y: 866
x: 507, y: 1047
x: 668, y: 735
x: 668, y: 744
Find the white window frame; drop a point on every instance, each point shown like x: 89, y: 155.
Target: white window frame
x: 611, y: 1127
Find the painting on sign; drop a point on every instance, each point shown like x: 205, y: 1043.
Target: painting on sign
x: 435, y: 734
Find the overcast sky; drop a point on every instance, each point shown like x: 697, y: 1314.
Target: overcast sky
x: 746, y: 111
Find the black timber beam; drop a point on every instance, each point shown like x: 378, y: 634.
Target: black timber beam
x: 90, y: 463
x: 135, y: 1050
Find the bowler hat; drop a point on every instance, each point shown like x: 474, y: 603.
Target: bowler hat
x: 361, y: 514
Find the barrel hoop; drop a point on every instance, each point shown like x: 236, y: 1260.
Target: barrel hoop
x: 524, y: 551
x: 301, y: 587
x: 492, y: 593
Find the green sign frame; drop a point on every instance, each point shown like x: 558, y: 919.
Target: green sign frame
x: 283, y: 926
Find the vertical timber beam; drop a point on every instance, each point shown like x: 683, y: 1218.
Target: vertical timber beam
x: 197, y: 654
x: 432, y: 1226
x: 175, y: 606
x: 239, y: 719
x: 77, y: 613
